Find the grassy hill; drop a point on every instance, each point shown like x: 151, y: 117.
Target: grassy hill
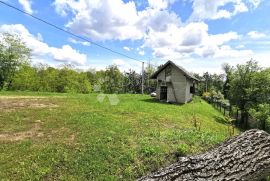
x: 76, y: 137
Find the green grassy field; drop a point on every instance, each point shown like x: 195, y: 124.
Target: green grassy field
x: 46, y: 136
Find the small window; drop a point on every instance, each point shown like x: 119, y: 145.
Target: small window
x: 168, y: 71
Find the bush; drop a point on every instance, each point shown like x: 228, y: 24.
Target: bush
x: 213, y: 96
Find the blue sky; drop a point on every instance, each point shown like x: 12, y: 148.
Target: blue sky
x: 200, y: 35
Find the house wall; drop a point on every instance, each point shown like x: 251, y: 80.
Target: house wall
x: 179, y: 83
x: 170, y: 94
x: 178, y: 88
x: 188, y: 94
x: 170, y: 90
x: 161, y: 76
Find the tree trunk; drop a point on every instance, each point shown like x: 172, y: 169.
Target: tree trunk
x: 245, y: 157
x: 244, y: 119
x: 263, y: 124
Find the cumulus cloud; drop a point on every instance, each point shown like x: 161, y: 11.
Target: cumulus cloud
x: 184, y: 41
x: 159, y: 29
x: 26, y: 4
x: 115, y: 20
x: 68, y: 54
x: 256, y: 35
x: 102, y: 20
x: 176, y: 40
x: 215, y: 9
x: 40, y: 49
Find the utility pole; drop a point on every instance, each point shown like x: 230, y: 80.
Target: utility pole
x: 148, y: 82
x: 142, y: 77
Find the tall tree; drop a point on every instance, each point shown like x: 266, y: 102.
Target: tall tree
x: 13, y: 54
x: 132, y: 82
x: 150, y: 85
x: 228, y: 73
x: 260, y: 87
x: 239, y: 93
x: 262, y: 114
x: 112, y: 82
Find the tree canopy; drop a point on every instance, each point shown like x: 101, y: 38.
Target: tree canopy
x: 13, y: 55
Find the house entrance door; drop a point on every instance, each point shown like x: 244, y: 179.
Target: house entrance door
x: 163, y: 93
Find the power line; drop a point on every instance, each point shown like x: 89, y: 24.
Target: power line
x: 68, y: 32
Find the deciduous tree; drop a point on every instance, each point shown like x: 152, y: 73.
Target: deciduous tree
x: 13, y: 54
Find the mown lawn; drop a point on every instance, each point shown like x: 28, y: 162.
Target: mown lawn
x: 75, y: 137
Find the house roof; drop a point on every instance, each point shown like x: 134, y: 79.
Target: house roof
x: 185, y: 72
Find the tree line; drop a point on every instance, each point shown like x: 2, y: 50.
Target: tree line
x: 245, y: 86
x: 17, y: 73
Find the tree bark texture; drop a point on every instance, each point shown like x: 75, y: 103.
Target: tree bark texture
x: 245, y: 157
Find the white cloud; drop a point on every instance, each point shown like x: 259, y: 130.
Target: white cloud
x: 226, y: 51
x: 215, y: 9
x: 220, y: 39
x: 85, y: 43
x: 256, y: 35
x: 184, y: 41
x: 115, y: 20
x: 178, y: 39
x: 126, y: 48
x: 68, y: 54
x: 160, y: 4
x: 26, y: 4
x: 157, y: 27
x: 40, y: 49
x: 214, y: 64
x: 102, y: 19
x: 125, y: 65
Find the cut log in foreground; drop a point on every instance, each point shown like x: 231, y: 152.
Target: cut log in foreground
x: 245, y: 157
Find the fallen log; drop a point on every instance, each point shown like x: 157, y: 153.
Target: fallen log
x: 245, y: 157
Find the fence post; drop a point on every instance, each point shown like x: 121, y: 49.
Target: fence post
x: 237, y: 115
x: 246, y: 119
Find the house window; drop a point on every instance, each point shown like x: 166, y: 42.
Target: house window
x: 168, y: 71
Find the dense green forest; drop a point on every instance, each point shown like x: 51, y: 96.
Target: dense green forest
x: 17, y: 73
x: 245, y: 86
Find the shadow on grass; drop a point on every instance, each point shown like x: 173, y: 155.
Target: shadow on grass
x: 156, y: 101
x: 235, y: 123
x: 221, y: 120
